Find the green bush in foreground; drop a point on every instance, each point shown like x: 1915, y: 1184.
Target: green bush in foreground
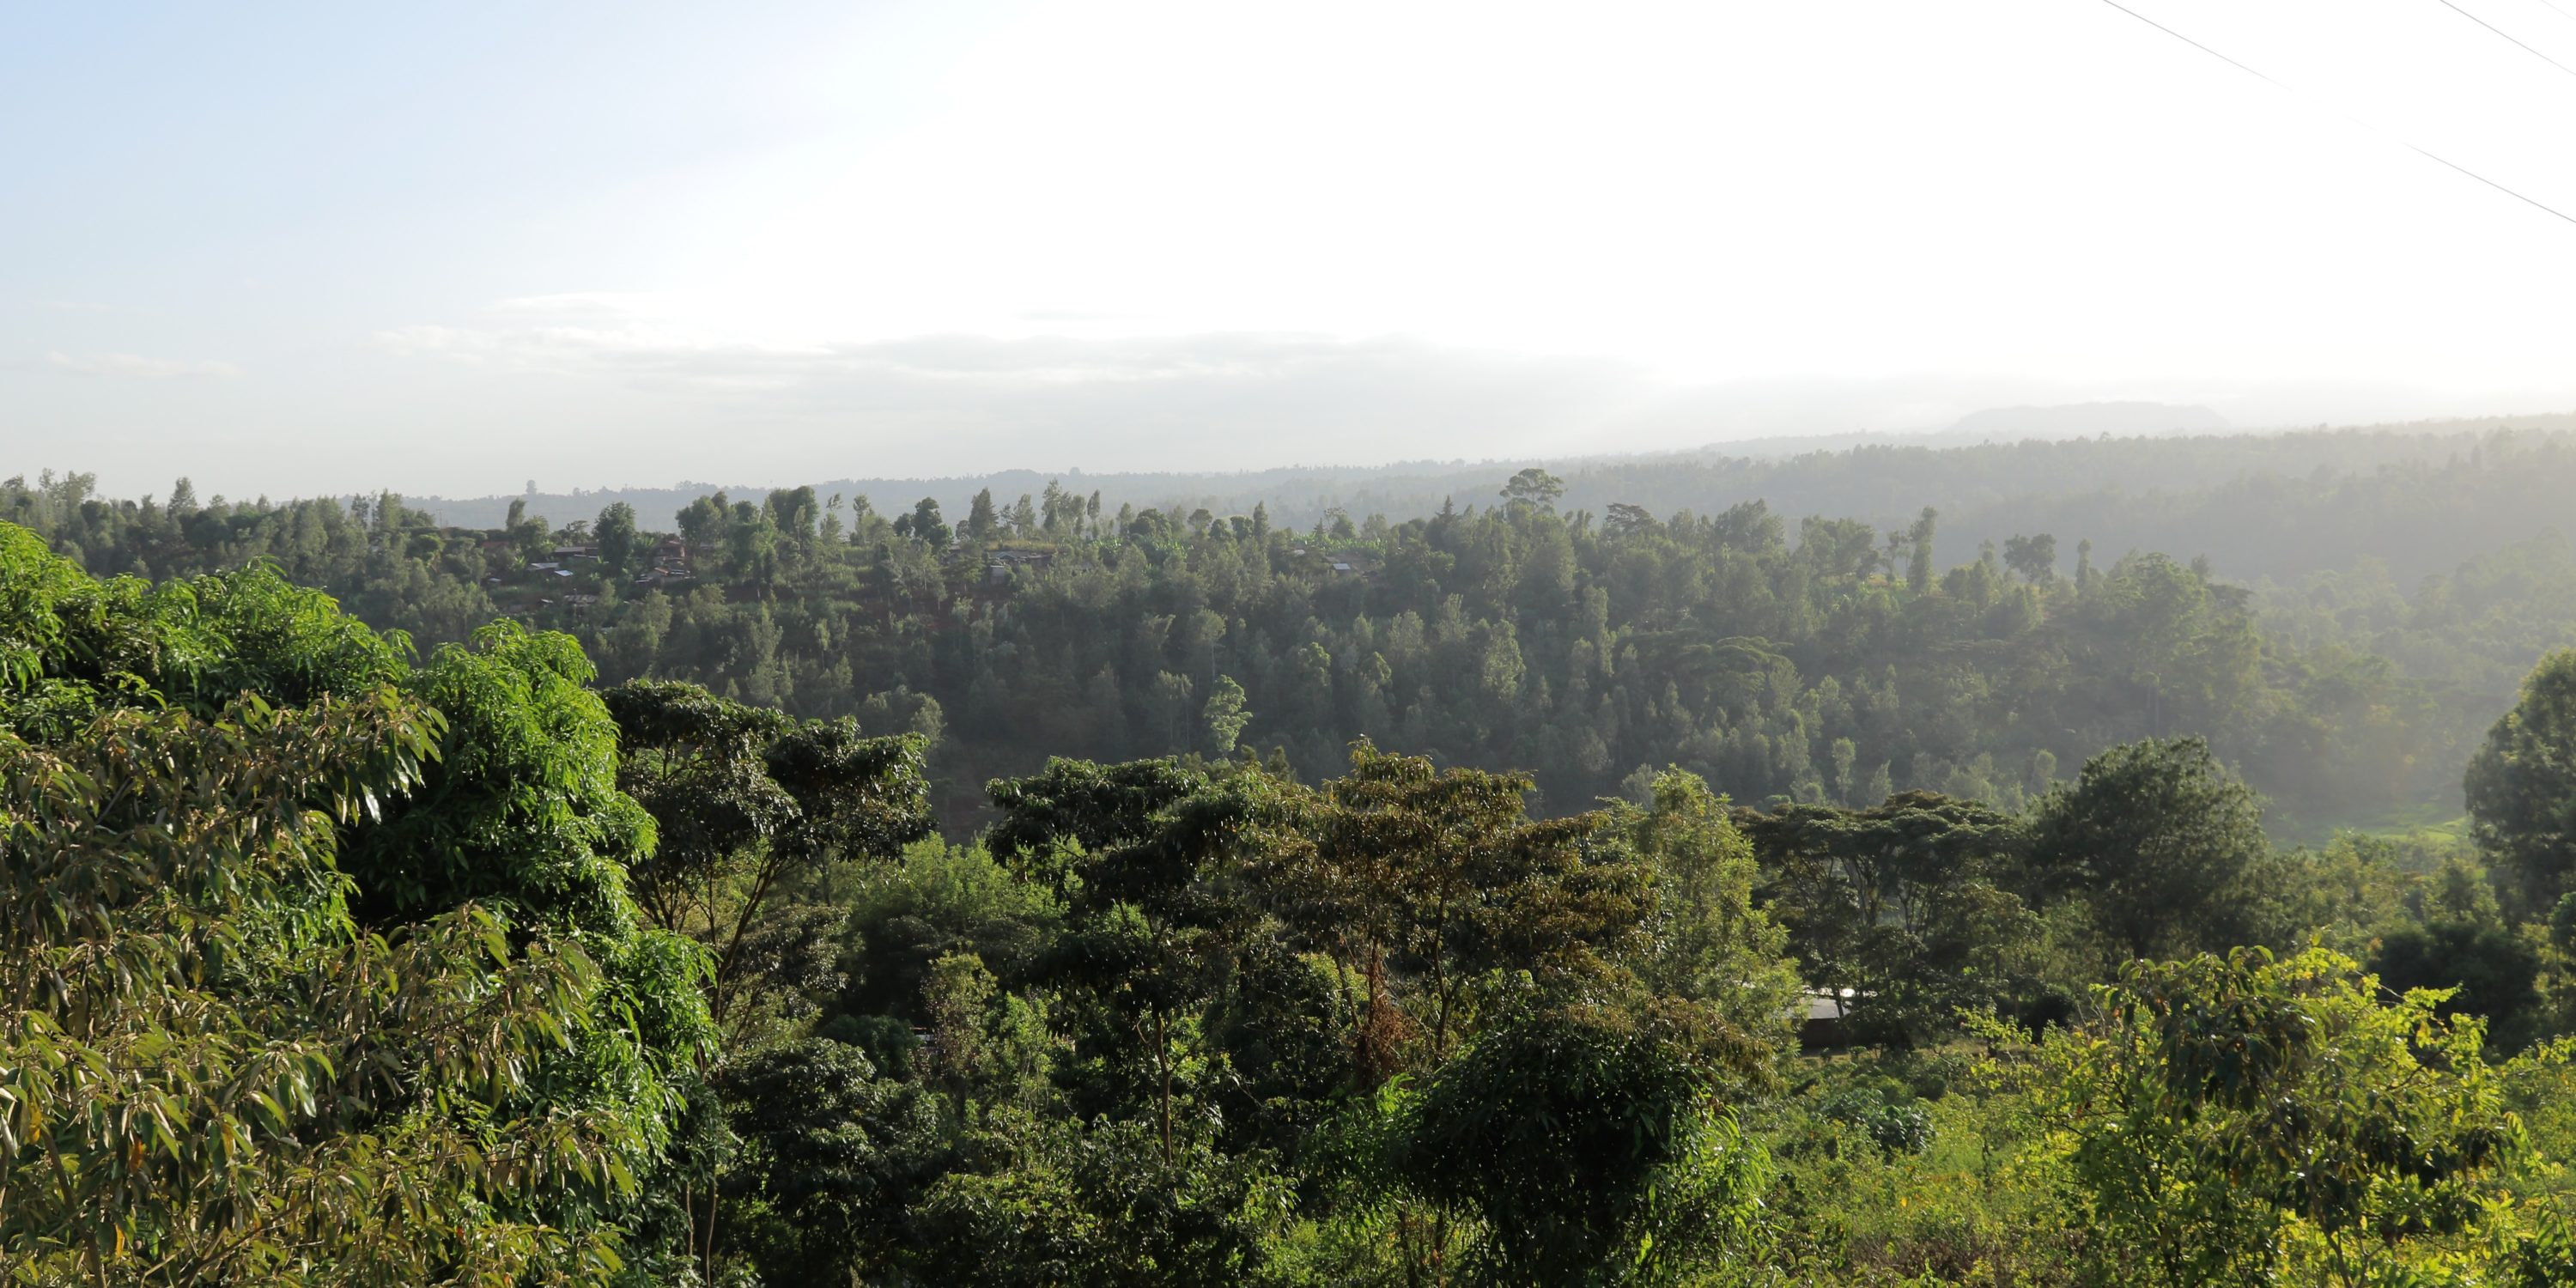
x: 358, y: 927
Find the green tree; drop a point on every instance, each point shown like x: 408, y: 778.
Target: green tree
x: 702, y: 523
x: 2035, y: 558
x: 1535, y: 488
x: 2161, y: 843
x: 521, y: 809
x: 935, y: 902
x: 1441, y: 877
x: 832, y: 1156
x: 1225, y: 716
x: 2522, y: 784
x: 1918, y: 571
x: 955, y: 998
x: 983, y: 522
x: 744, y: 800
x: 215, y: 1075
x: 1178, y: 1000
x: 1588, y: 1144
x: 1101, y: 1204
x: 529, y: 535
x: 793, y: 512
x: 2488, y: 970
x: 924, y: 525
x: 1138, y: 846
x: 1710, y: 942
x: 620, y: 541
x: 1903, y: 905
x: 2233, y: 1119
x: 515, y: 814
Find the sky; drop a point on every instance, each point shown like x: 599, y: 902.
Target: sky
x: 454, y: 249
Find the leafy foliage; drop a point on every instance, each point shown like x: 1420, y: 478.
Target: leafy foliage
x: 833, y: 1155
x: 2161, y: 843
x: 2235, y: 1117
x: 670, y: 984
x: 2522, y: 783
x: 1903, y: 909
x: 1574, y: 637
x: 210, y: 1073
x: 1711, y: 940
x: 481, y: 833
x: 745, y: 801
x: 1588, y: 1146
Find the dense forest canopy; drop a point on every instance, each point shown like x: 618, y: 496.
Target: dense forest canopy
x: 1508, y: 894
x: 461, y: 971
x: 2419, y: 498
x: 1572, y: 630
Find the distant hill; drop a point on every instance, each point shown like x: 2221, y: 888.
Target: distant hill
x: 2083, y: 420
x: 2260, y: 503
x: 2186, y: 493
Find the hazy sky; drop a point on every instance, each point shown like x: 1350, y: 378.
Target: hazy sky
x: 449, y: 248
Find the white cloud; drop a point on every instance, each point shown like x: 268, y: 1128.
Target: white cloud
x: 134, y: 366
x: 941, y: 403
x: 613, y: 343
x: 1222, y: 399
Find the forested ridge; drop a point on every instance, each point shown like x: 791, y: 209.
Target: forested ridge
x: 2419, y: 498
x: 1832, y: 660
x: 1506, y: 895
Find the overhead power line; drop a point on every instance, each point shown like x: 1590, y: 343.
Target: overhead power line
x: 2533, y: 202
x: 2509, y: 36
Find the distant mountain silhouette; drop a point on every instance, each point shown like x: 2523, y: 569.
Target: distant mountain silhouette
x: 2084, y: 420
x: 2062, y: 474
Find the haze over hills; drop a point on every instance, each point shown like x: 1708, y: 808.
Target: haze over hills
x: 2181, y: 491
x: 2081, y: 419
x: 1302, y: 490
x: 2432, y: 556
